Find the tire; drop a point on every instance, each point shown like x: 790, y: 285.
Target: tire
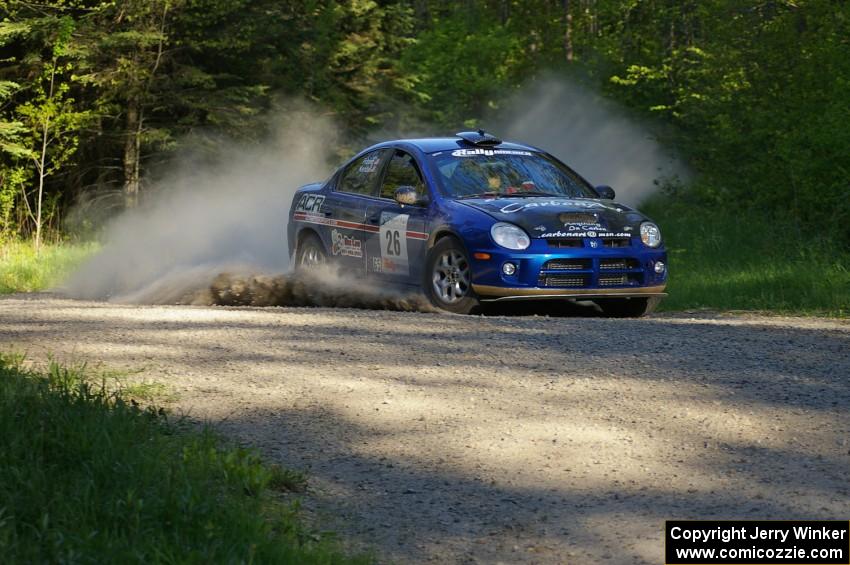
x: 448, y: 278
x: 628, y: 307
x: 310, y: 254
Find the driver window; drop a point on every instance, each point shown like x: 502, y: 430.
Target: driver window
x: 361, y: 177
x: 402, y: 171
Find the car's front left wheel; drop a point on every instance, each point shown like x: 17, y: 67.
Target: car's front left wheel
x: 311, y: 254
x: 448, y: 278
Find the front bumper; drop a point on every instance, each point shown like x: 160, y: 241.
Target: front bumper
x: 500, y: 293
x: 590, y: 270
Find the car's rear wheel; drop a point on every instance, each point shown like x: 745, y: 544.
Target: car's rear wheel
x: 311, y: 254
x: 448, y: 278
x: 628, y: 307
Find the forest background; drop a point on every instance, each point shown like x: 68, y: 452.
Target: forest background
x: 98, y: 98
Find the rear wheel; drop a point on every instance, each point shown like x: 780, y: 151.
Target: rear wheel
x: 311, y: 254
x: 628, y: 307
x: 448, y: 278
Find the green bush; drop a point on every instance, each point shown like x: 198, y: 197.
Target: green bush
x: 738, y: 259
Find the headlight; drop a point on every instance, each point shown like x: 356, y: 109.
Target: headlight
x: 650, y: 235
x: 510, y: 236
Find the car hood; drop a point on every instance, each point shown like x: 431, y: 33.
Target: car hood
x: 554, y: 217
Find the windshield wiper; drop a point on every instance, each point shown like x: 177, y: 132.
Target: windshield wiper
x: 518, y: 194
x: 480, y: 195
x: 524, y: 193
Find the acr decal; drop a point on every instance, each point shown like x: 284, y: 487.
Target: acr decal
x: 344, y: 245
x: 487, y: 152
x: 520, y: 206
x: 310, y: 203
x: 376, y: 265
x: 393, y: 243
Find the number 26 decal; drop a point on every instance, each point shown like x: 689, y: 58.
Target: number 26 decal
x: 393, y: 243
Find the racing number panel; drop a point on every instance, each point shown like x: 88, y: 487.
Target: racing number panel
x: 397, y: 250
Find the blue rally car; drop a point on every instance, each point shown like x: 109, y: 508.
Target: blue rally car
x: 471, y: 218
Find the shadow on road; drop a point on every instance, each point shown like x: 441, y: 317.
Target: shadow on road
x: 463, y: 438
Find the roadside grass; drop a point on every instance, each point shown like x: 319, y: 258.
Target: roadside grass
x: 731, y: 261
x: 90, y: 477
x: 21, y: 270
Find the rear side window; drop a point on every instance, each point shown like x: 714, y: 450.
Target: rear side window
x: 402, y: 171
x: 361, y: 177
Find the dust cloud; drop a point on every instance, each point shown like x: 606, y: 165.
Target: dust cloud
x: 591, y: 135
x: 205, y: 219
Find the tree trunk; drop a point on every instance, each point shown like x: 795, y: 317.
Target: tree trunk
x: 423, y: 14
x: 40, y: 168
x: 40, y: 165
x: 568, y: 32
x: 131, y: 153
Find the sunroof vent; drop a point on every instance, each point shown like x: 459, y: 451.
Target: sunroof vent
x: 479, y: 137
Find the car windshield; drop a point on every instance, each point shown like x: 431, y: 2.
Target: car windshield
x: 467, y: 173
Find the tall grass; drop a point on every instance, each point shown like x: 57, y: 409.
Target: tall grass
x: 729, y: 260
x: 21, y: 270
x: 88, y: 477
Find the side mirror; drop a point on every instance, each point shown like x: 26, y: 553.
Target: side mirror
x: 407, y: 196
x: 606, y: 192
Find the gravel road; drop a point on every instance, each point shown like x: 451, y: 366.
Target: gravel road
x: 432, y: 437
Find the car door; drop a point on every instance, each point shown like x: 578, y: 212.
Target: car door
x: 396, y: 249
x: 345, y: 210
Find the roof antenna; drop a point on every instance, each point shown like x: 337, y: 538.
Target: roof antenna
x: 479, y: 138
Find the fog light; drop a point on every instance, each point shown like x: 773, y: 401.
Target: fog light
x: 509, y: 269
x: 659, y: 267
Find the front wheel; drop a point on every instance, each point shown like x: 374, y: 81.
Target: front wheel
x: 310, y: 255
x: 448, y: 278
x: 628, y: 307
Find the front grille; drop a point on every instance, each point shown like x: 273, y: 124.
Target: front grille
x: 577, y: 242
x: 571, y: 281
x: 626, y: 279
x: 616, y: 241
x: 577, y: 218
x: 617, y: 264
x: 567, y: 265
x: 613, y: 280
x: 565, y: 243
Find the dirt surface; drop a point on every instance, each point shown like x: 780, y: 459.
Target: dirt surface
x: 432, y: 437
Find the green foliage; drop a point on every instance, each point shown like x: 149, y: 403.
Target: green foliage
x: 461, y: 68
x: 728, y: 260
x: 91, y: 477
x: 758, y: 95
x: 11, y: 133
x: 43, y: 134
x: 22, y: 270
